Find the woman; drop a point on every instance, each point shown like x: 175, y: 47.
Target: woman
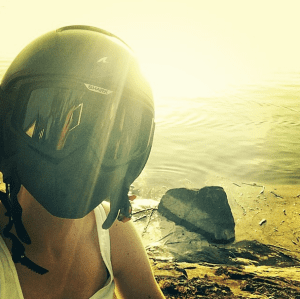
x: 77, y: 123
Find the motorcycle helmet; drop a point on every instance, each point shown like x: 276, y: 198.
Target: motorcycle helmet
x: 79, y: 122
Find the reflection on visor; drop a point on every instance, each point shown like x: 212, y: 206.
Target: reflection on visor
x: 61, y: 119
x: 48, y: 118
x: 71, y: 122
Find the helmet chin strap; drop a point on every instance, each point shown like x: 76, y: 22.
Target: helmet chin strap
x: 14, y: 213
x: 120, y: 208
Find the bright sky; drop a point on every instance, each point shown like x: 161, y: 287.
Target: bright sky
x: 187, y: 47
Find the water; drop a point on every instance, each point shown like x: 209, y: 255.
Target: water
x: 247, y: 134
x: 250, y: 134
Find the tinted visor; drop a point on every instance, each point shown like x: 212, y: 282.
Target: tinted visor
x: 57, y: 118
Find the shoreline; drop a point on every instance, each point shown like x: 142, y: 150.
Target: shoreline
x: 265, y: 215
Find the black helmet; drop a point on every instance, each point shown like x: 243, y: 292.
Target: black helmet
x: 80, y: 121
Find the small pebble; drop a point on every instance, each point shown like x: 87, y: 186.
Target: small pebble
x: 262, y: 222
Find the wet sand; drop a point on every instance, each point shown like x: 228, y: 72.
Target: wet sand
x: 264, y: 260
x: 267, y: 213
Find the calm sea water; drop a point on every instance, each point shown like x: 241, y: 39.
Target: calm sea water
x: 250, y: 134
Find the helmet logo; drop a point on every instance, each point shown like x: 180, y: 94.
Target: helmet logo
x: 103, y: 60
x: 97, y: 89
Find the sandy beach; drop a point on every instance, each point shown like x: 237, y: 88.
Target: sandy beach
x: 264, y: 260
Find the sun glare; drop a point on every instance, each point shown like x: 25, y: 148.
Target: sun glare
x: 167, y: 80
x: 206, y: 81
x: 196, y: 49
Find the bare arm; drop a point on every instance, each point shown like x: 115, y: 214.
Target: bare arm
x: 133, y: 274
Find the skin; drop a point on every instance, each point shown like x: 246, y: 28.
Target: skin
x: 69, y: 249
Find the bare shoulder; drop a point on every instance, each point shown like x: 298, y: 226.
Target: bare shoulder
x: 133, y: 274
x: 125, y: 242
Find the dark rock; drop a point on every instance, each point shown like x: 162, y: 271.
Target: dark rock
x: 205, y: 211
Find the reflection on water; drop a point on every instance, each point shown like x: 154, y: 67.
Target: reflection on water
x: 248, y: 134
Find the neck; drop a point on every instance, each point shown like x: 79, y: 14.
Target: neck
x: 49, y: 234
